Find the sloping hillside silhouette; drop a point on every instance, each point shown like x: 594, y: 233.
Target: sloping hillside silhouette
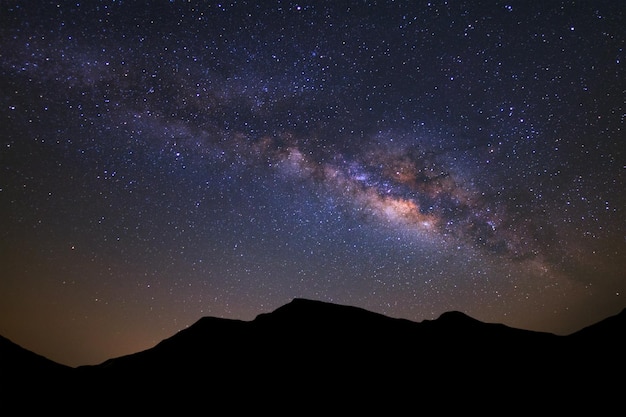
x: 316, y: 358
x: 28, y: 381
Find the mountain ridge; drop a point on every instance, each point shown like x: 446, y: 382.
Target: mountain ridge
x: 311, y: 357
x: 451, y: 315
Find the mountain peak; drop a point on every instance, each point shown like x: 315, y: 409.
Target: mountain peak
x: 306, y: 308
x: 306, y: 302
x: 456, y: 316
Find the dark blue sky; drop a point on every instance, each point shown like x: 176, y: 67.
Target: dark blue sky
x: 164, y: 161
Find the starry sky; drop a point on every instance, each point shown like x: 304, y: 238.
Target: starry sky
x: 163, y: 161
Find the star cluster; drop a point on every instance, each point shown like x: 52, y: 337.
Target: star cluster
x: 168, y: 160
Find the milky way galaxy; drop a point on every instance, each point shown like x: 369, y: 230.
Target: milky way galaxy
x: 166, y: 161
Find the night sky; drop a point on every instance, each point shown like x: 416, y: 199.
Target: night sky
x: 164, y: 161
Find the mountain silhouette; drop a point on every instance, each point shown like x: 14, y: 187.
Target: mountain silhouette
x: 15, y: 360
x: 27, y: 381
x: 317, y: 358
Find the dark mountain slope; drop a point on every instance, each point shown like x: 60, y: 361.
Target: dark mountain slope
x: 610, y: 329
x: 315, y: 358
x: 187, y: 347
x: 29, y: 381
x: 15, y: 360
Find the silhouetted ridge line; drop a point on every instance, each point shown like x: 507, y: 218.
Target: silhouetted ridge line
x: 320, y: 311
x: 613, y: 327
x: 312, y: 357
x: 14, y: 358
x: 457, y: 316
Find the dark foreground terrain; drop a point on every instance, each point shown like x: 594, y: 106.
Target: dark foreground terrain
x: 315, y: 358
